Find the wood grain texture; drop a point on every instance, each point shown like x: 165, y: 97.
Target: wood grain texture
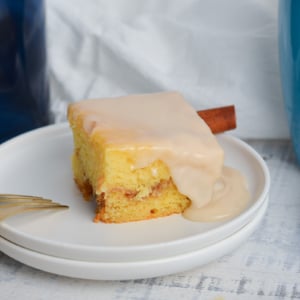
x: 267, y: 266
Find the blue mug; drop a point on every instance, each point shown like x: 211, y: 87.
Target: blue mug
x: 24, y: 90
x: 289, y: 56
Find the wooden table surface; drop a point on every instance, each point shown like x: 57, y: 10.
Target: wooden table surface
x: 267, y: 266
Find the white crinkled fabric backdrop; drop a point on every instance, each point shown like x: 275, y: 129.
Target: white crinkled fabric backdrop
x: 215, y: 52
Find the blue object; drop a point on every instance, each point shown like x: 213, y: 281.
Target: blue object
x: 24, y: 90
x: 289, y: 54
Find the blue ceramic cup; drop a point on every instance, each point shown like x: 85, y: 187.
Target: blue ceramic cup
x: 24, y: 92
x: 289, y: 54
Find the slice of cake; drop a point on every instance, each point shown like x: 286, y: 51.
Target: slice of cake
x: 143, y: 156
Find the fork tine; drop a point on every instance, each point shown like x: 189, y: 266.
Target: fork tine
x: 17, y: 196
x: 20, y: 198
x: 11, y: 204
x: 22, y: 209
x: 28, y: 204
x: 23, y: 201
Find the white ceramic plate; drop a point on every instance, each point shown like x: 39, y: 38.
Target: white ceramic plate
x: 134, y: 269
x: 38, y: 163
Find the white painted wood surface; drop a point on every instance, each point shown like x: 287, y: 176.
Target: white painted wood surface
x: 267, y: 266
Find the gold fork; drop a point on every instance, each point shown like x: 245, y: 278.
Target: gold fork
x: 11, y: 204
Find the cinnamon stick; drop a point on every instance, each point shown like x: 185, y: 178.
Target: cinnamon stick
x: 219, y: 119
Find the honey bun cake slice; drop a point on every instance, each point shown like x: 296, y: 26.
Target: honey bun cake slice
x: 143, y: 156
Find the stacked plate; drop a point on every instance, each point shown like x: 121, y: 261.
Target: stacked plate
x: 69, y: 243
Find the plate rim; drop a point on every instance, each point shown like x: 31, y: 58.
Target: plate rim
x: 133, y: 269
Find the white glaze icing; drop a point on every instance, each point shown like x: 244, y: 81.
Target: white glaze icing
x: 163, y: 126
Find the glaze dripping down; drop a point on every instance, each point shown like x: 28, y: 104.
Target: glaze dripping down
x: 163, y: 126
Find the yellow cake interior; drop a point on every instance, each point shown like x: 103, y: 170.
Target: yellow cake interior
x: 123, y: 194
x: 105, y: 165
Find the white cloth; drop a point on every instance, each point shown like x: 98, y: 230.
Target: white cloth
x: 215, y: 52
